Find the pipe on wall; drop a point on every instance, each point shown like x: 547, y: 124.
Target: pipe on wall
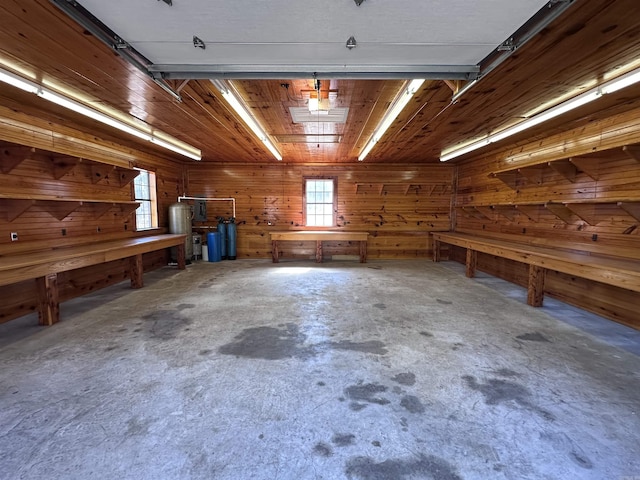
x: 213, y: 199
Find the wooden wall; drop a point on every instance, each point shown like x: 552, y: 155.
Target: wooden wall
x: 397, y: 204
x: 580, y: 187
x: 38, y: 170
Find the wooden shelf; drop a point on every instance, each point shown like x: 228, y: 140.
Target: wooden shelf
x: 60, y: 208
x: 62, y: 164
x: 568, y: 211
x: 405, y: 188
x: 566, y: 167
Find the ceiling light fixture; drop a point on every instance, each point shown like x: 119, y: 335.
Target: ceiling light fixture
x: 611, y: 86
x: 233, y: 99
x: 351, y: 43
x: 149, y: 134
x: 408, y: 91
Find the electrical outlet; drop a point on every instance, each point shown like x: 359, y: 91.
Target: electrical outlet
x: 14, y: 236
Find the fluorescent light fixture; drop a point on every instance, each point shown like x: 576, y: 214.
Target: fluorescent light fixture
x: 168, y: 142
x: 611, y: 86
x: 175, y: 148
x: 18, y: 82
x: 238, y: 106
x: 314, y: 104
x: 407, y: 92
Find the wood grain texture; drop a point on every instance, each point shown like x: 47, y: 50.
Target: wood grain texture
x: 269, y: 199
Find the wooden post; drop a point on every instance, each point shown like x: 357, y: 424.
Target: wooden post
x: 48, y: 303
x: 136, y: 271
x: 436, y: 250
x: 363, y: 251
x: 472, y: 261
x: 274, y: 251
x: 535, y: 289
x: 318, y: 251
x: 182, y: 263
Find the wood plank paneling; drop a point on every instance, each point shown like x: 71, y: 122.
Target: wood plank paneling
x: 584, y: 212
x: 397, y: 205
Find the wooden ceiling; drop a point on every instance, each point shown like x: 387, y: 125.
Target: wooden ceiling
x: 590, y: 40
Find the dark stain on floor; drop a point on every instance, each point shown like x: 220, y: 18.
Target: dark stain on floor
x: 443, y: 302
x: 581, y: 460
x: 372, y: 346
x: 322, y: 449
x: 505, y: 372
x: 366, y: 392
x: 497, y: 391
x: 422, y: 466
x: 343, y: 440
x: 165, y: 324
x: 412, y: 404
x: 269, y: 343
x: 185, y: 306
x: 380, y: 306
x: 406, y: 378
x: 457, y: 346
x: 533, y: 337
x: 426, y: 334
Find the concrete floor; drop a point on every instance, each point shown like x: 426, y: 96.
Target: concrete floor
x: 386, y: 370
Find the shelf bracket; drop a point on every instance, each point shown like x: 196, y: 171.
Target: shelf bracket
x: 632, y: 209
x: 63, y: 165
x: 16, y: 207
x: 586, y: 212
x: 590, y: 166
x: 100, y: 171
x: 532, y: 212
x: 561, y: 211
x: 633, y: 151
x: 565, y: 168
x: 11, y: 157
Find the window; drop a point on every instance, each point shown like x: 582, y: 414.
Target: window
x: 144, y: 191
x: 320, y: 202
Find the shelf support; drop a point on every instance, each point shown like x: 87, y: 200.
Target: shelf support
x: 128, y: 208
x: 63, y: 165
x: 586, y: 212
x: 633, y: 151
x: 565, y: 168
x: 561, y: 211
x: 16, y: 207
x: 590, y: 166
x: 59, y: 209
x: 508, y: 212
x: 509, y: 178
x: 532, y: 212
x: 126, y: 175
x: 11, y: 157
x: 100, y: 171
x: 632, y: 209
x: 532, y: 174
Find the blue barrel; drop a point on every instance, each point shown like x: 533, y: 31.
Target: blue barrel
x: 231, y: 235
x: 213, y: 246
x: 222, y: 230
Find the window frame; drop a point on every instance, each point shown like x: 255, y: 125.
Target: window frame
x: 334, y: 210
x: 152, y: 199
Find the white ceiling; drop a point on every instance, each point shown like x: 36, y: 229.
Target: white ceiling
x: 279, y: 34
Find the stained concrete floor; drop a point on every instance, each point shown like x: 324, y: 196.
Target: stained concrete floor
x: 386, y: 370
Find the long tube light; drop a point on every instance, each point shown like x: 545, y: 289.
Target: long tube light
x: 238, y: 106
x: 611, y: 86
x: 407, y: 92
x: 151, y: 135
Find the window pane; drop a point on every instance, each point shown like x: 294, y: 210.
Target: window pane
x: 144, y: 192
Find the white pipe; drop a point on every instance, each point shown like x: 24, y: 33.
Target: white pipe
x: 212, y: 199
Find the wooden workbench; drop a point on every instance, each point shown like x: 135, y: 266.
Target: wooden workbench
x: 318, y: 237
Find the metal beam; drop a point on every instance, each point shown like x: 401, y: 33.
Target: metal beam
x: 271, y: 72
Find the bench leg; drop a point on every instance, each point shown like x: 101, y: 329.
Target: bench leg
x: 136, y: 271
x: 318, y: 251
x: 436, y: 250
x: 535, y: 289
x: 48, y: 299
x: 274, y: 251
x: 472, y: 261
x: 182, y: 262
x: 363, y: 251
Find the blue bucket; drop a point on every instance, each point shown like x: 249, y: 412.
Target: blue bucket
x: 213, y: 247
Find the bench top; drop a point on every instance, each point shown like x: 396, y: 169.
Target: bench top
x: 303, y: 235
x: 616, y: 271
x: 25, y: 266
